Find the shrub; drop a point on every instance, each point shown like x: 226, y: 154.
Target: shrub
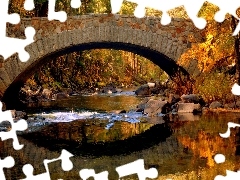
x: 214, y: 86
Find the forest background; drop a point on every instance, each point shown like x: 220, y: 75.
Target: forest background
x: 217, y: 56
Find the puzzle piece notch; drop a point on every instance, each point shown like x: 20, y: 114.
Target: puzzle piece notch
x: 219, y: 158
x: 87, y: 173
x: 230, y: 175
x: 8, y: 162
x: 75, y: 3
x: 20, y: 125
x: 53, y: 15
x: 236, y: 89
x: 29, y: 5
x: 227, y: 133
x: 67, y: 165
x: 137, y: 167
x: 9, y: 46
x: 227, y: 7
x: 66, y: 162
x: 192, y: 8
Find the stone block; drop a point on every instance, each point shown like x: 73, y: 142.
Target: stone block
x: 153, y: 107
x: 187, y: 107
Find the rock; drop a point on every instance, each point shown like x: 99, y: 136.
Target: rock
x: 13, y: 112
x: 143, y: 90
x: 61, y: 95
x: 153, y: 107
x: 143, y: 103
x: 166, y: 108
x: 118, y: 111
x: 19, y: 114
x: 205, y: 109
x: 156, y: 90
x: 188, y: 107
x: 109, y: 89
x: 215, y: 105
x: 46, y: 93
x: 139, y: 110
x: 4, y: 108
x: 238, y: 104
x: 229, y: 105
x: 173, y: 99
x: 151, y: 85
x: 190, y: 98
x: 118, y: 90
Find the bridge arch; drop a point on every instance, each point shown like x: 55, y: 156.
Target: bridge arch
x: 163, y: 45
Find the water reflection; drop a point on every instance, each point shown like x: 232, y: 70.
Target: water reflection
x: 180, y: 147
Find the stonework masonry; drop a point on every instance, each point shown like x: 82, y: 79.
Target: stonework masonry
x: 53, y: 36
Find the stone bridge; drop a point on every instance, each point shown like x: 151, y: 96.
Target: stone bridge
x: 163, y: 45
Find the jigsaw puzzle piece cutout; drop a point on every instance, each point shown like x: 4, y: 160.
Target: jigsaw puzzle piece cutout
x: 53, y: 15
x: 28, y: 171
x: 192, y: 8
x: 226, y: 7
x: 227, y: 133
x: 9, y: 46
x: 87, y: 173
x: 66, y: 164
x: 18, y: 45
x: 20, y: 125
x: 5, y: 17
x: 236, y: 89
x: 8, y: 162
x: 137, y: 167
x: 116, y: 5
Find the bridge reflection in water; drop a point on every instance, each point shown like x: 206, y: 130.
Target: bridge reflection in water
x: 179, y: 149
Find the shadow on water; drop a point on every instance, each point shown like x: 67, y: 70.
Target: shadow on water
x: 150, y: 137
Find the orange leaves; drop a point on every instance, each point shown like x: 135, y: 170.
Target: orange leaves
x: 218, y: 44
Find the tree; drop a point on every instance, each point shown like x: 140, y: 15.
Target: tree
x: 236, y: 49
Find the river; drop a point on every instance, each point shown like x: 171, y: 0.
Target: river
x: 179, y: 146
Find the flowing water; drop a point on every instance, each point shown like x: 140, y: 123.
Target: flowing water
x: 182, y: 146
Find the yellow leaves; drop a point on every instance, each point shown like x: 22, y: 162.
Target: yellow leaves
x: 208, y: 11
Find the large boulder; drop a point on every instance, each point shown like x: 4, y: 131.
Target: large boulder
x: 143, y: 103
x: 143, y: 90
x: 173, y: 98
x: 153, y: 107
x: 190, y: 98
x: 215, y: 105
x: 188, y: 107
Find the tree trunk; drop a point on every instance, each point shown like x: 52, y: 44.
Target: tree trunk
x: 236, y: 49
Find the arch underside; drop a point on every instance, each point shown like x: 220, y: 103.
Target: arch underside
x: 165, y: 63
